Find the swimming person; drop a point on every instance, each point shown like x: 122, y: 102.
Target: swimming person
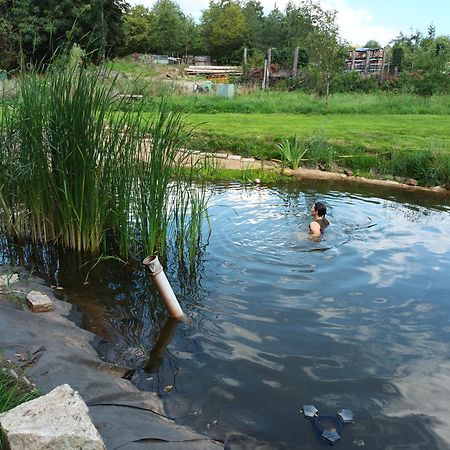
x: 318, y: 212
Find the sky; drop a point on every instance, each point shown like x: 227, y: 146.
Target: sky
x: 362, y: 20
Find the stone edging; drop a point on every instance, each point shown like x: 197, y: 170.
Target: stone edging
x: 229, y: 161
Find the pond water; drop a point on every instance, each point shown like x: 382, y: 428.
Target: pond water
x: 358, y: 320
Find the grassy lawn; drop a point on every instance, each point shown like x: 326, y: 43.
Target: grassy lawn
x: 132, y: 68
x: 273, y: 102
x: 372, y: 132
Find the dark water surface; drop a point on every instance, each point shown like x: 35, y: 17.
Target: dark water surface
x: 359, y: 320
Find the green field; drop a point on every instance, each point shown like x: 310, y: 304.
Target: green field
x: 372, y: 132
x: 276, y: 102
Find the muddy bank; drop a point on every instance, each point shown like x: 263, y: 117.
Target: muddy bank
x: 54, y: 350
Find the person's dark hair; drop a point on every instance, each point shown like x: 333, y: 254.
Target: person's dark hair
x: 320, y: 208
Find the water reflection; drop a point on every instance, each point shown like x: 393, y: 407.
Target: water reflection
x: 357, y: 320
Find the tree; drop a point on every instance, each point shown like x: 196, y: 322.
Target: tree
x: 274, y: 34
x: 44, y: 26
x: 114, y: 11
x: 223, y: 27
x: 397, y: 58
x: 372, y: 44
x: 167, y: 28
x: 254, y: 23
x: 192, y: 37
x: 137, y: 30
x: 327, y: 52
x: 424, y: 62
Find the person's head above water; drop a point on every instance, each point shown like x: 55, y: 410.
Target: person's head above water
x: 318, y: 212
x: 318, y: 209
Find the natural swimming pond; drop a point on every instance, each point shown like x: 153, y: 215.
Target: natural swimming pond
x: 359, y: 320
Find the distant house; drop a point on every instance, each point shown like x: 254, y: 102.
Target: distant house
x: 366, y: 60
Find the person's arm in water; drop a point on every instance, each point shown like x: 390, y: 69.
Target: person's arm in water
x: 314, y: 229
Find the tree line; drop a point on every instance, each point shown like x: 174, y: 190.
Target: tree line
x: 31, y: 31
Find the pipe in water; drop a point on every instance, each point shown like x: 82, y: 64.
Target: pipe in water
x: 159, y: 280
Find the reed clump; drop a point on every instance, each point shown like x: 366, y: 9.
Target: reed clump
x: 77, y: 168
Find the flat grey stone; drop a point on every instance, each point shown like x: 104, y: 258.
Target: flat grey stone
x: 235, y: 157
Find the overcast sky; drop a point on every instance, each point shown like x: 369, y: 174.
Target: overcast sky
x: 361, y: 20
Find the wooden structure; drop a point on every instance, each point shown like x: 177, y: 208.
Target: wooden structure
x: 219, y: 71
x: 366, y: 61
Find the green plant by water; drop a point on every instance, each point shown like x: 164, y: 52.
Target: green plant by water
x: 293, y: 150
x: 79, y: 170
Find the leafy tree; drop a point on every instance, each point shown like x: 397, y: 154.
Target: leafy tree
x: 372, y: 44
x: 424, y: 63
x: 254, y: 23
x: 274, y: 34
x: 223, y: 26
x: 43, y: 26
x: 137, y: 30
x: 114, y: 11
x: 8, y: 46
x: 192, y: 37
x: 327, y: 52
x: 167, y: 28
x: 397, y: 57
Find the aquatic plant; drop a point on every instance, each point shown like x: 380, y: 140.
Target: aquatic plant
x: 79, y: 170
x: 293, y: 150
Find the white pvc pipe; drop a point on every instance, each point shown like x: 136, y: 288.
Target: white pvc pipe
x: 159, y: 280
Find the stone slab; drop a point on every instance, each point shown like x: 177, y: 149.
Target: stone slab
x: 8, y: 279
x: 39, y: 302
x: 57, y: 421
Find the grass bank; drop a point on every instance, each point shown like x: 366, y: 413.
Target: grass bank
x: 257, y: 134
x: 384, y: 146
x: 300, y: 103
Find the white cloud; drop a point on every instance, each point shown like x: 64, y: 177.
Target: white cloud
x: 357, y: 25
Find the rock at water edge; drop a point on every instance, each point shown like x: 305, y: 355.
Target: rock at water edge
x: 57, y: 421
x: 39, y: 302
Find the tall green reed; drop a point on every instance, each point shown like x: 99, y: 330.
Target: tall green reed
x: 80, y: 170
